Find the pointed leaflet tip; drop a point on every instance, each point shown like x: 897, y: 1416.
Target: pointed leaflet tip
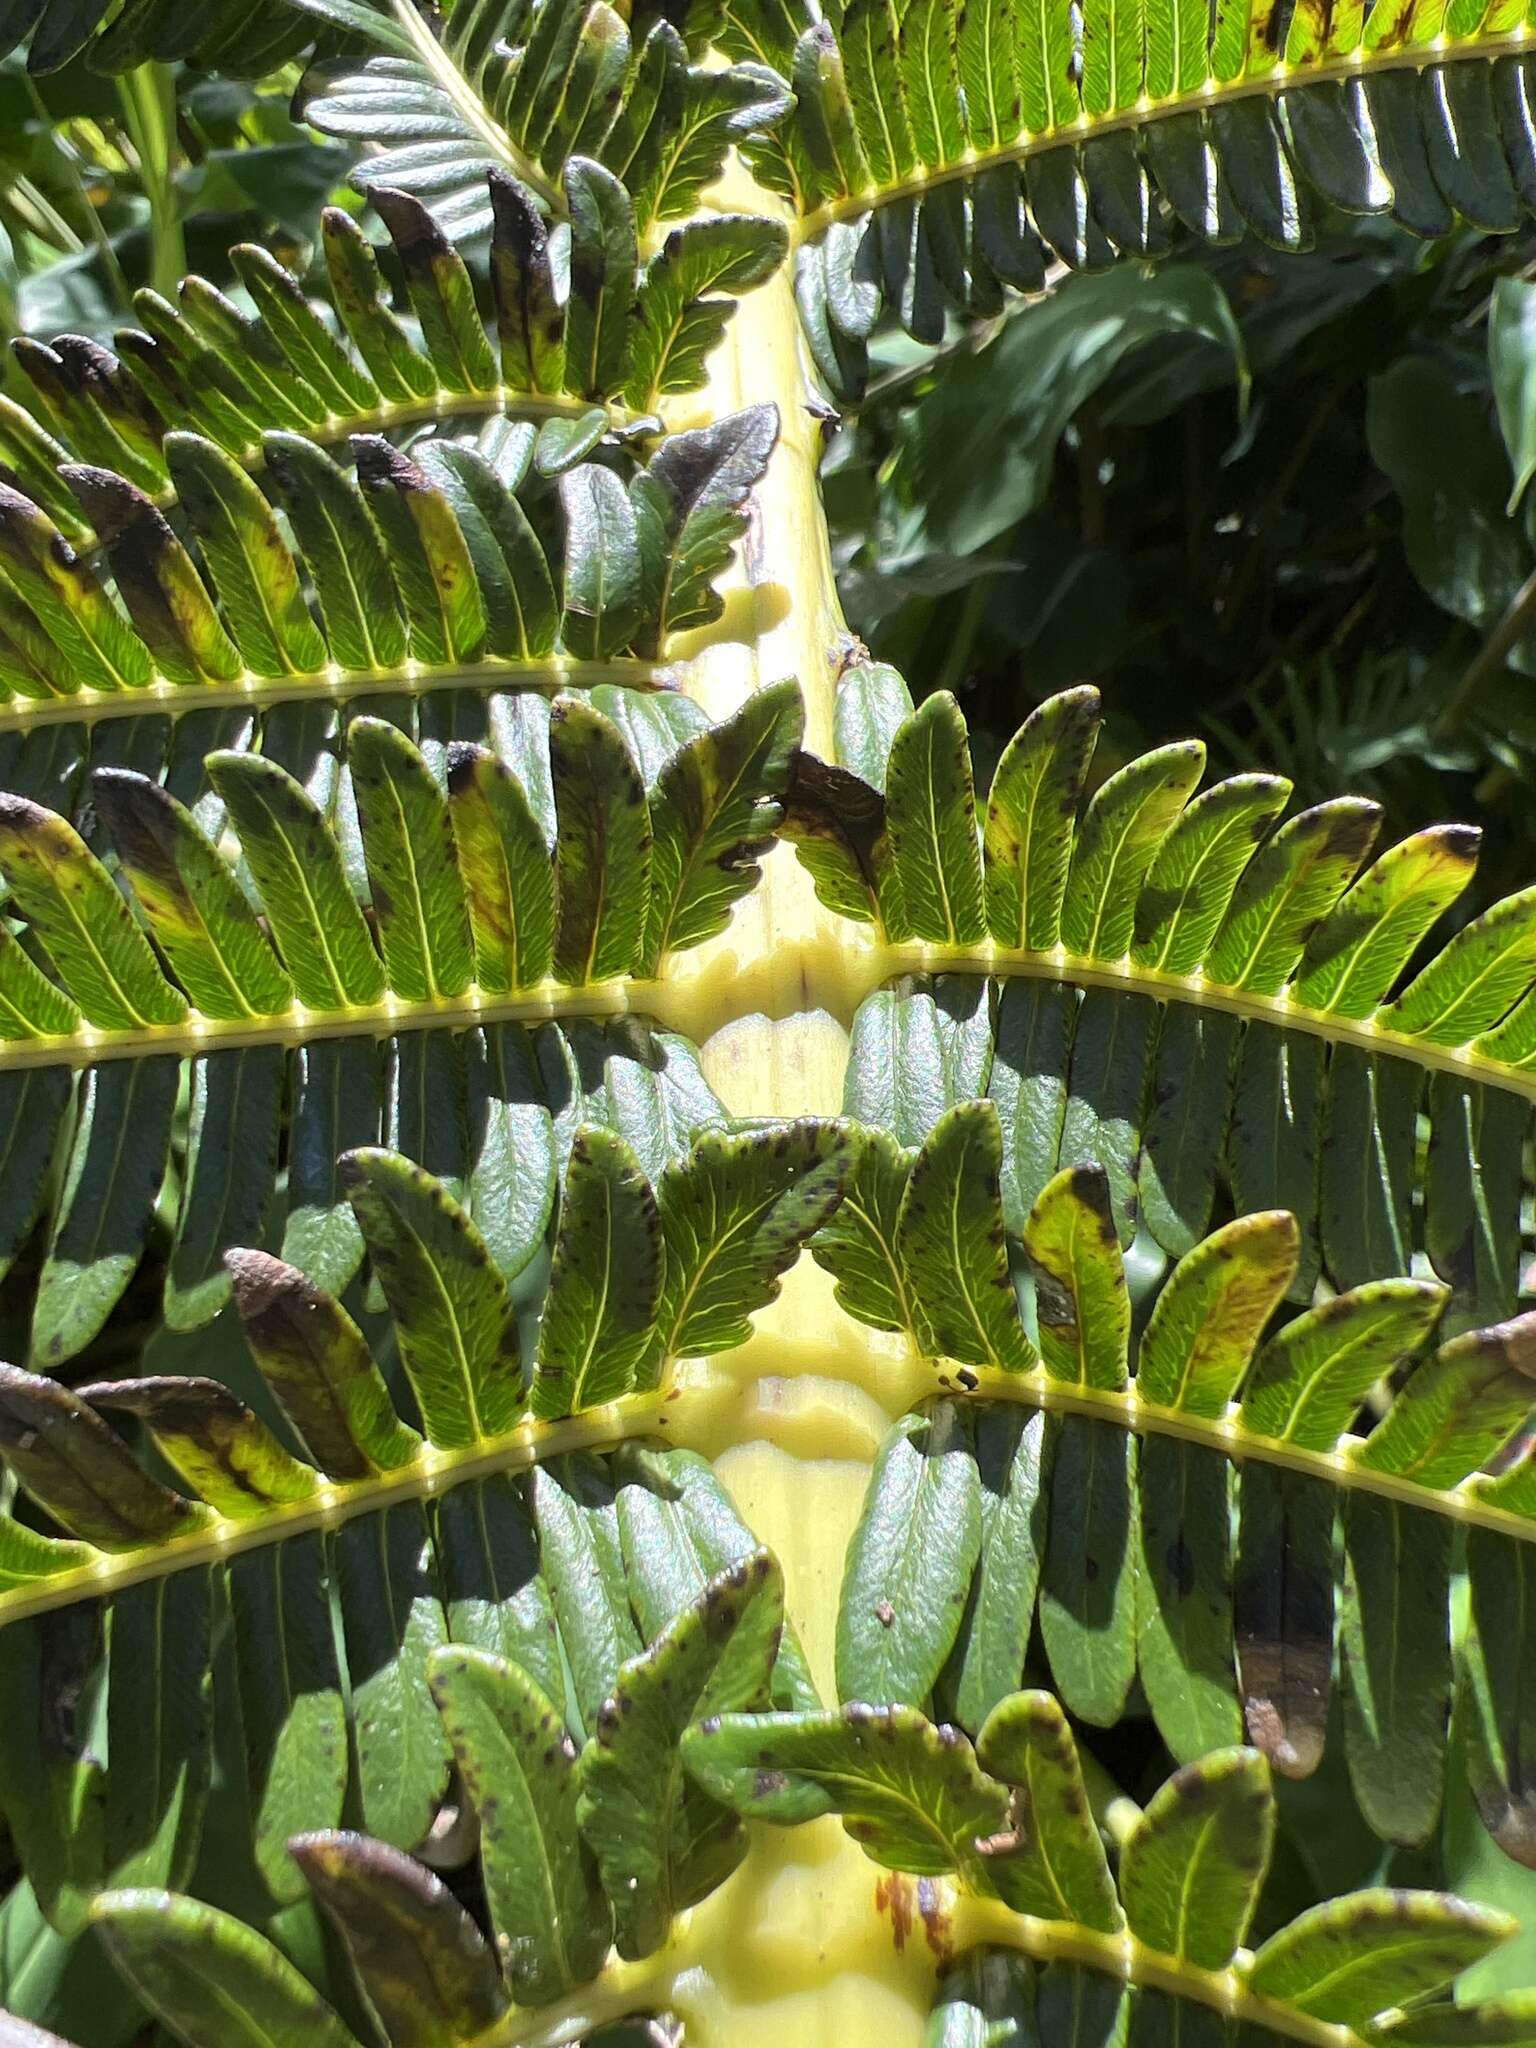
x: 422, y: 1961
x: 318, y: 1365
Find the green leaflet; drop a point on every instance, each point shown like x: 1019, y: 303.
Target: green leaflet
x: 1028, y: 1082
x: 393, y: 1620
x: 734, y: 1214
x: 29, y: 1002
x: 1191, y: 1868
x: 429, y: 558
x: 1460, y: 1409
x: 911, y: 1795
x: 873, y: 703
x: 1283, y: 1613
x: 1293, y: 882
x: 917, y: 1049
x: 221, y: 1448
x: 258, y: 581
x: 512, y: 1145
x: 1495, y: 1700
x: 291, y: 1707
x: 159, y: 1724
x: 116, y: 1164
x: 1468, y: 986
x: 930, y: 822
x: 494, y: 1593
x: 319, y: 1368
x: 1056, y: 1867
x: 210, y: 1977
x: 50, y: 1783
x: 674, y: 327
x: 582, y: 1557
x: 1309, y: 1380
x: 321, y: 934
x: 1275, y: 1137
x: 1366, y: 1180
x: 337, y: 1105
x: 449, y: 1303
x: 949, y: 1241
x: 984, y: 1998
x: 442, y: 293
x: 1212, y: 1312
x: 165, y: 596
x: 605, y: 564
x: 518, y: 1766
x: 1472, y: 1198
x: 423, y: 1962
x: 233, y: 1126
x: 505, y: 869
x: 1031, y: 812
x: 1088, y: 1588
x: 679, y: 1528
x: 1184, y: 1595
x: 1081, y: 2008
x: 909, y: 1566
x: 1358, y: 951
x: 857, y: 1245
x: 1349, y: 1959
x: 1395, y: 1663
x: 1081, y: 1305
x: 658, y: 1846
x: 603, y: 848
x: 1106, y: 1094
x: 1012, y: 1460
x: 1186, y: 1124
x: 510, y: 565
x: 688, y: 506
x: 413, y: 875
x: 341, y: 543
x: 1116, y: 844
x: 1197, y: 868
x: 603, y: 263
x: 714, y: 810
x: 71, y: 901
x: 605, y: 1282
x: 1493, y: 2021
x: 529, y: 322
x: 195, y: 907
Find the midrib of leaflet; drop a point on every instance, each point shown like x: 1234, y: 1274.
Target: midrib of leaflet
x: 797, y: 1945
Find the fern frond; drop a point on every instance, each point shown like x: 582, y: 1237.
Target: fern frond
x: 1138, y: 1953
x: 558, y: 1560
x: 524, y: 90
x: 936, y: 154
x: 1168, y: 1508
x: 583, y: 845
x: 586, y: 362
x: 1186, y: 993
x: 451, y: 565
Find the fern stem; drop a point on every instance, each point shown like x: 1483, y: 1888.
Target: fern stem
x: 546, y: 676
x: 1358, y: 62
x: 148, y: 99
x: 987, y: 1922
x: 1279, y: 1010
x: 1338, y: 1467
x: 431, y: 1473
x: 1489, y: 659
x: 398, y: 415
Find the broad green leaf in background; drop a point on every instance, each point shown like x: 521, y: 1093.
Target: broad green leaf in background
x: 977, y: 456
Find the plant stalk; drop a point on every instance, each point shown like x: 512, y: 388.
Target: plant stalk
x: 148, y: 98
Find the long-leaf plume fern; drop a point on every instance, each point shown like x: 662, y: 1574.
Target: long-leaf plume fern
x: 577, y: 1372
